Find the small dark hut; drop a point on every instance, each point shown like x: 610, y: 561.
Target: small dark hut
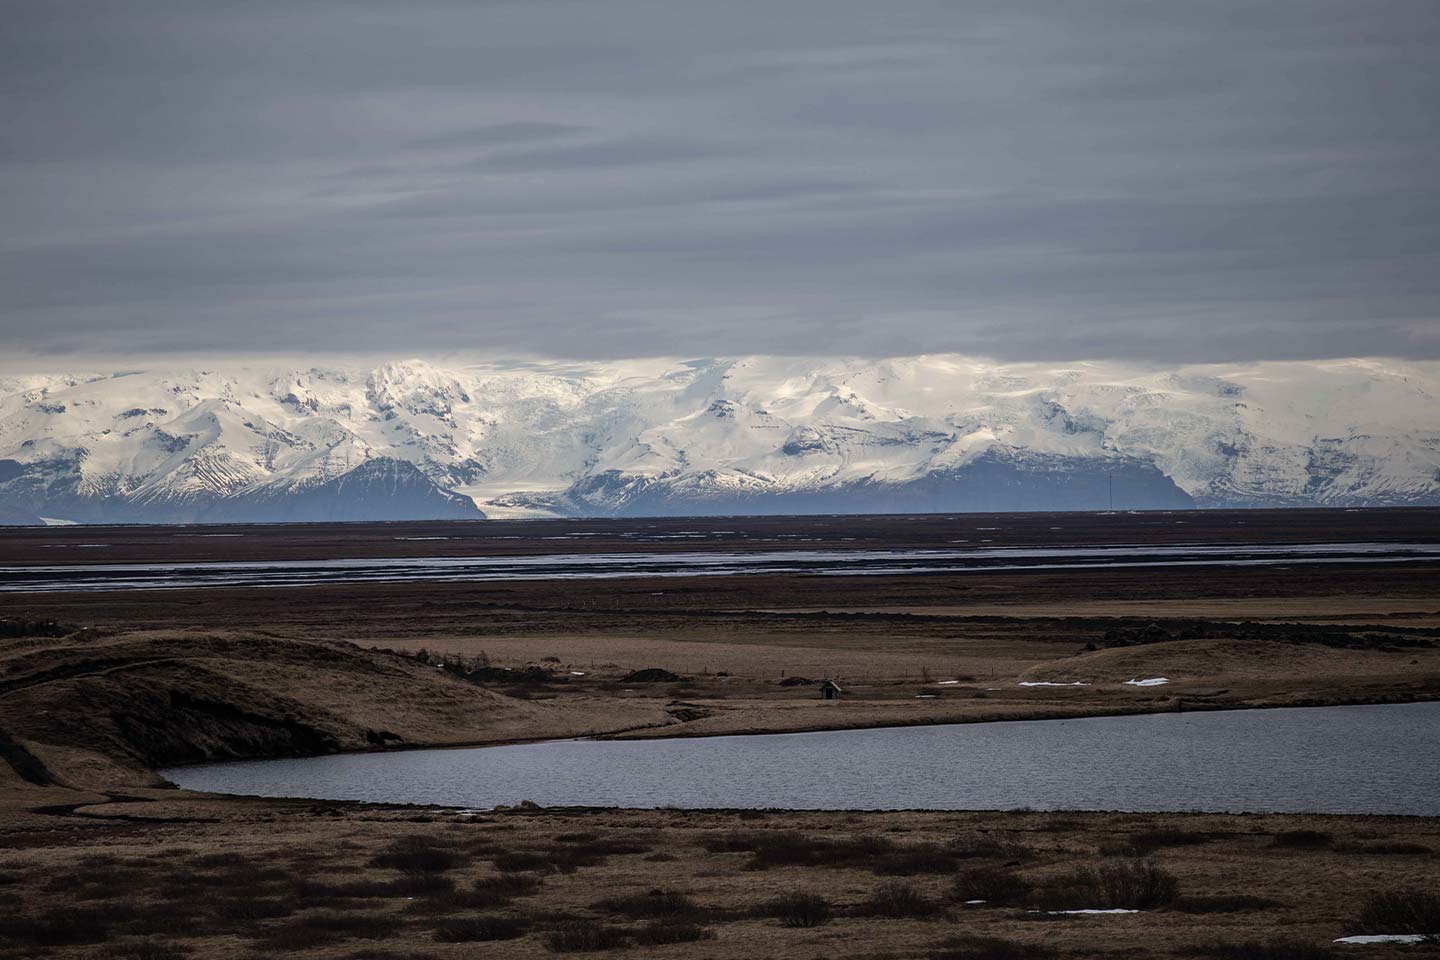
x: 830, y: 690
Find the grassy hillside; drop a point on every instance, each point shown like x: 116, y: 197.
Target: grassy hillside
x: 92, y: 709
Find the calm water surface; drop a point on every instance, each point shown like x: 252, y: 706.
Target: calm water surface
x: 1366, y: 759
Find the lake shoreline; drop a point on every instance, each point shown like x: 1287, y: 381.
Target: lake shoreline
x: 670, y: 731
x: 1169, y: 763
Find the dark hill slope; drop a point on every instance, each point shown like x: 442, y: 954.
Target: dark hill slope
x: 98, y: 711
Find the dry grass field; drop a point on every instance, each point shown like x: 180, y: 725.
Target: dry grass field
x: 149, y: 876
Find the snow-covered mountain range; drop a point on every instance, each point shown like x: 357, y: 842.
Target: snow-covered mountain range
x: 414, y: 439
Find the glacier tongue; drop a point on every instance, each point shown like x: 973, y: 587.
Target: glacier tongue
x: 749, y: 434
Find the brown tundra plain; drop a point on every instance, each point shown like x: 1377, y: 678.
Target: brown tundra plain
x: 99, y: 688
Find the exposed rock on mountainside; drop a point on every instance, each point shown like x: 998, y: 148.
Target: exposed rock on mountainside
x: 749, y: 435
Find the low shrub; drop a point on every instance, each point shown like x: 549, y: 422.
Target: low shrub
x: 452, y: 902
x: 1401, y: 911
x: 291, y: 938
x: 1148, y: 841
x: 656, y: 903
x: 988, y: 948
x: 322, y: 929
x: 566, y: 857
x: 733, y: 843
x: 1128, y: 885
x: 898, y: 901
x: 144, y: 950
x: 1225, y: 903
x: 1304, y: 839
x: 583, y: 936
x: 915, y: 859
x: 798, y: 910
x: 358, y: 926
x: 1391, y: 849
x: 471, y: 929
x: 508, y: 886
x: 995, y: 887
x: 250, y: 909
x: 1060, y: 824
x: 988, y: 848
x: 406, y: 885
x: 417, y: 855
x: 663, y: 933
x: 517, y: 861
x: 791, y: 849
x: 59, y: 929
x: 173, y: 918
x: 1257, y: 950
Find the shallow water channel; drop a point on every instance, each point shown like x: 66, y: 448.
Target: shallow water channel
x: 604, y: 566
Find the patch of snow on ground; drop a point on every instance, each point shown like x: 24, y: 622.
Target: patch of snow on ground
x: 1385, y: 938
x: 1151, y: 682
x: 1048, y: 683
x: 1092, y: 910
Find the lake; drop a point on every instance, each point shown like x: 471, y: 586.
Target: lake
x: 1361, y: 759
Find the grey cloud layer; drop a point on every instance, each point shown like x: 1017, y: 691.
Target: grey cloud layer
x: 1070, y: 179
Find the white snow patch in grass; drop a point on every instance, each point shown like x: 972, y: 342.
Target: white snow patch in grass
x: 1048, y: 683
x: 577, y: 673
x: 1092, y: 910
x: 1385, y: 938
x: 946, y: 683
x: 1150, y: 682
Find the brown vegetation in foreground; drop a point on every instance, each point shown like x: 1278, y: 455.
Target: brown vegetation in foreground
x: 162, y: 874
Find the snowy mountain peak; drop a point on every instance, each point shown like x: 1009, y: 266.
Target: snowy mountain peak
x: 748, y: 434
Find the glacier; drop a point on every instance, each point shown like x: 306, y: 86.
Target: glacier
x: 466, y: 438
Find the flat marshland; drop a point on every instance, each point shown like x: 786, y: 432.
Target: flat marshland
x: 98, y: 689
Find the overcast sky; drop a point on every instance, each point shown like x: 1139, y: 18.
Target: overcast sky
x: 1152, y: 180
